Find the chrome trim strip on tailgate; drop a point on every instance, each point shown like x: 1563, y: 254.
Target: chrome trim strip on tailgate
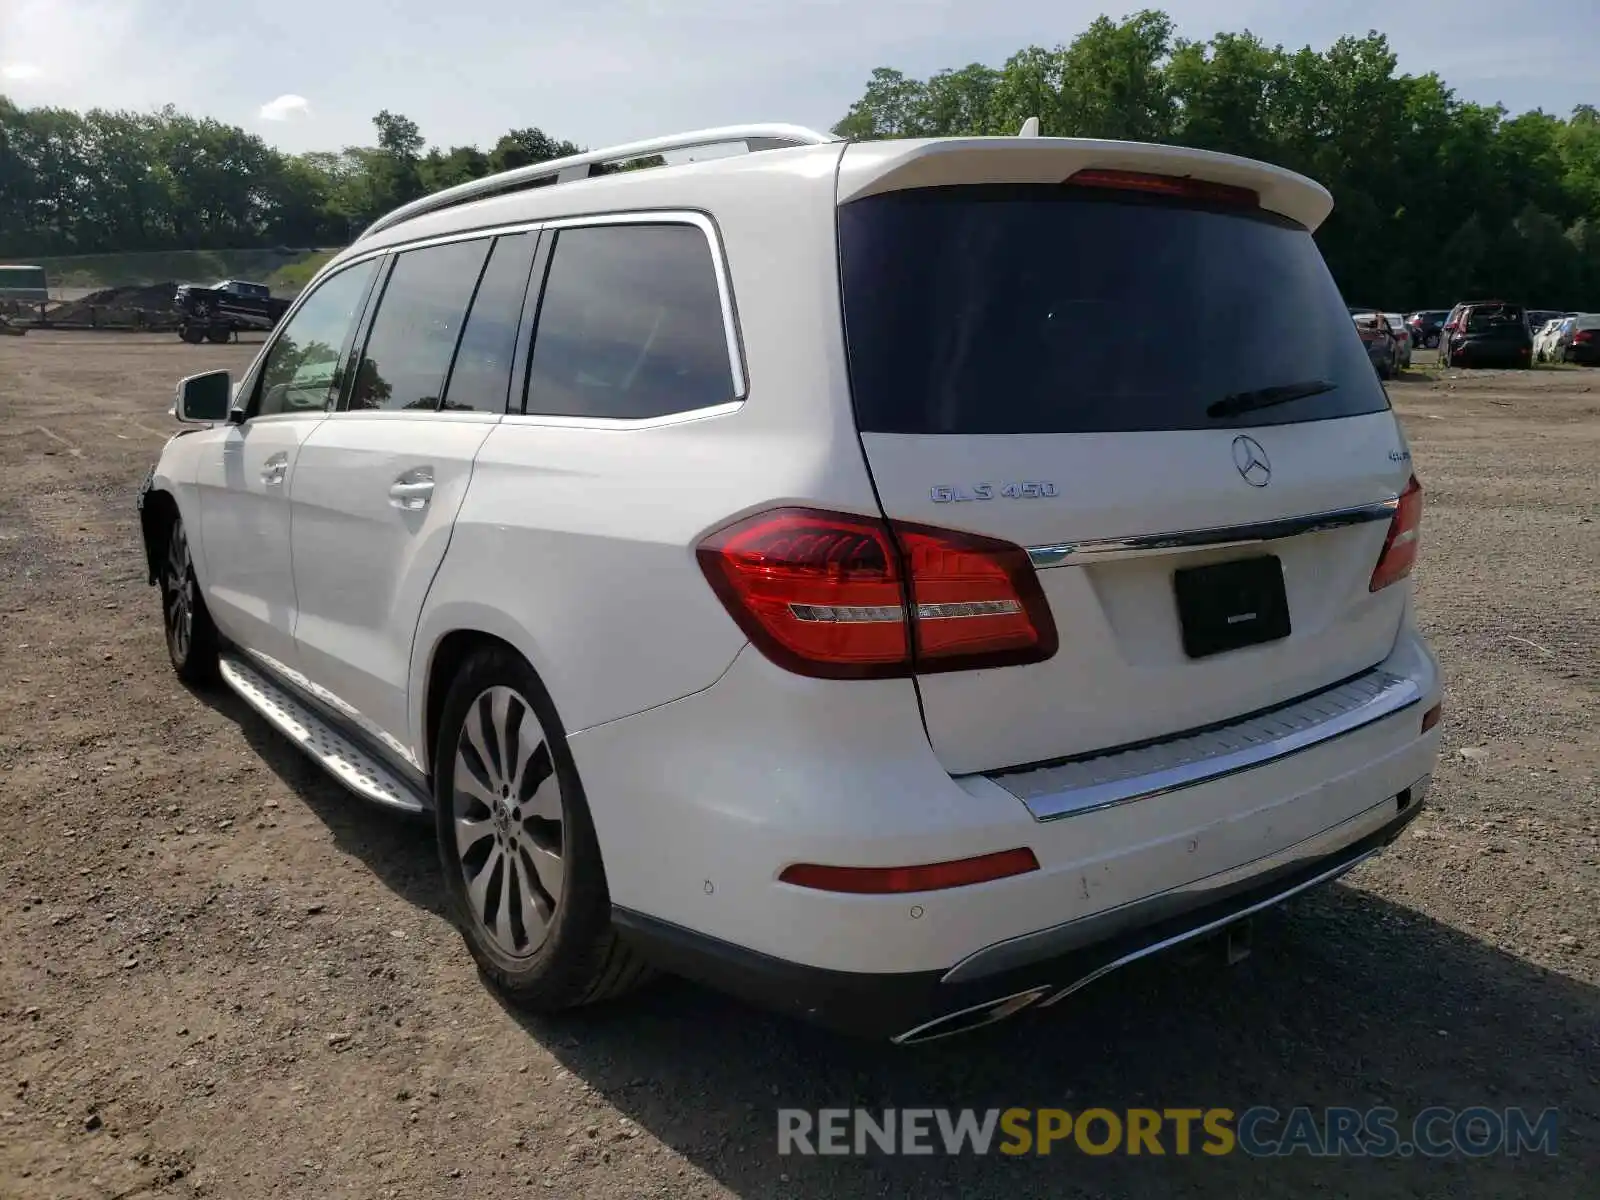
x: 1071, y: 554
x: 1088, y: 784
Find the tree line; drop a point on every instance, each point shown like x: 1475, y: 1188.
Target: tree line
x: 1436, y: 198
x: 123, y: 182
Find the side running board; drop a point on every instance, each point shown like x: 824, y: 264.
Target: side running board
x: 332, y: 751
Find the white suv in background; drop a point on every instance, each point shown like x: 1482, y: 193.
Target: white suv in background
x: 793, y: 570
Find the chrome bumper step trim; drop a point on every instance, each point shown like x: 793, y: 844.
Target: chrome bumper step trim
x: 1092, y: 783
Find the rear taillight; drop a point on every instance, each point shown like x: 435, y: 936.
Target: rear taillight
x: 1400, y: 547
x: 826, y: 594
x: 1166, y: 185
x: 1583, y: 335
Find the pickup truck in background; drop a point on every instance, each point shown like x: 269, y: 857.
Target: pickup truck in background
x: 217, y: 313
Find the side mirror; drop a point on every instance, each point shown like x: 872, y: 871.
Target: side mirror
x: 204, y: 399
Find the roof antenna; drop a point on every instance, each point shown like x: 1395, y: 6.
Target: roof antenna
x: 1030, y: 128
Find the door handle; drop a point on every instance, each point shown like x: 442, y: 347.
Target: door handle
x: 274, y: 469
x: 413, y: 490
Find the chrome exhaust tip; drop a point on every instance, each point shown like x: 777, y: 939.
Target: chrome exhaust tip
x: 967, y: 1019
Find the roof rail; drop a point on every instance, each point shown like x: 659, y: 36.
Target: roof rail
x: 593, y: 162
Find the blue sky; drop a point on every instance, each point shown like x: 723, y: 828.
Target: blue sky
x: 309, y: 74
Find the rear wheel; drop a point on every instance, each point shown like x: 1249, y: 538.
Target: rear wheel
x: 193, y: 334
x: 523, y: 874
x: 220, y: 335
x: 191, y: 637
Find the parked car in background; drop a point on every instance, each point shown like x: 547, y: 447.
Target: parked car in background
x: 1425, y: 325
x: 1549, y: 338
x: 224, y: 309
x: 1402, y: 340
x: 1538, y: 316
x: 1486, y: 333
x: 1379, y: 341
x: 1580, y: 340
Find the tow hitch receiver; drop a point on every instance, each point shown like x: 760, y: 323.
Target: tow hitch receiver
x: 1236, y: 942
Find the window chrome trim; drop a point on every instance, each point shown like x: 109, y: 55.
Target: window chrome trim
x: 624, y: 423
x: 1071, y: 554
x: 1094, y: 782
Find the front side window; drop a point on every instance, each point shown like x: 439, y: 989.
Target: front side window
x: 418, y: 322
x: 630, y: 325
x: 301, y: 372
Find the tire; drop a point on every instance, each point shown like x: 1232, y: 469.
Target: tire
x: 193, y: 334
x: 219, y: 336
x: 1431, y: 341
x: 191, y: 636
x: 520, y: 845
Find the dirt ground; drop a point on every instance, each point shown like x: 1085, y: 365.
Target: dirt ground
x: 221, y: 975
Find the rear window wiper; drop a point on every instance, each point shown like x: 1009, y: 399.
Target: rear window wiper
x: 1235, y: 403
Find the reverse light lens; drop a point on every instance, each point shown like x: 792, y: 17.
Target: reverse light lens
x: 1166, y: 185
x: 932, y: 877
x: 1400, y: 547
x: 826, y: 594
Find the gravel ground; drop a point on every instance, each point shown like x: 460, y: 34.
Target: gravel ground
x: 220, y: 975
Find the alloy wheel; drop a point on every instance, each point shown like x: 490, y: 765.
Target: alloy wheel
x: 507, y: 818
x: 178, y: 597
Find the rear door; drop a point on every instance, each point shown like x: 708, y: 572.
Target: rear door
x: 1090, y: 374
x: 379, y: 483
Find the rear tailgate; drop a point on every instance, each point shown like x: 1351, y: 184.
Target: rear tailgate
x: 1035, y: 363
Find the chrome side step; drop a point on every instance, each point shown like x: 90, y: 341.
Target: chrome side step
x: 327, y: 747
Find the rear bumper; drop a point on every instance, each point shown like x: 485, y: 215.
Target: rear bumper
x: 1033, y: 971
x: 702, y: 803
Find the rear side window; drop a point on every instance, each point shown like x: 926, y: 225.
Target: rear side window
x: 301, y: 372
x: 630, y: 325
x: 481, y: 376
x: 1029, y: 309
x: 414, y: 333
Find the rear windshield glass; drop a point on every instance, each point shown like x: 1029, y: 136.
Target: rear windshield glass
x: 1502, y: 316
x: 1022, y: 309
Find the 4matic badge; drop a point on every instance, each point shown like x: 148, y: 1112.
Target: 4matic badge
x: 950, y: 493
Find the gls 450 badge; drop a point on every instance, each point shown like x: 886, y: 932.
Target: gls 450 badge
x: 952, y: 493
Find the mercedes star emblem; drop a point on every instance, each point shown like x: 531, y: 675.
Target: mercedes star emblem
x: 1251, y: 459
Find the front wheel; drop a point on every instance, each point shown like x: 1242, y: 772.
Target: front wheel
x: 191, y: 637
x: 522, y: 867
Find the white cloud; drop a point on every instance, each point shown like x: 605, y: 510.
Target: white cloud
x: 20, y: 71
x: 286, y: 107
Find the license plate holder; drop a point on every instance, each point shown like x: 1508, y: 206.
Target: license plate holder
x: 1231, y: 605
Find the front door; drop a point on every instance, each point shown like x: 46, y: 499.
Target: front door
x: 243, y: 482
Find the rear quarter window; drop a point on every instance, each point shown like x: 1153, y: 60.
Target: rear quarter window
x: 630, y: 325
x: 1001, y: 310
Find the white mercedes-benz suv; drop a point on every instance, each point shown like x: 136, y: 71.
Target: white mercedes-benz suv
x: 894, y: 582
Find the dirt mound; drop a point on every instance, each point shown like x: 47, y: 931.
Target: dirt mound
x: 118, y: 304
